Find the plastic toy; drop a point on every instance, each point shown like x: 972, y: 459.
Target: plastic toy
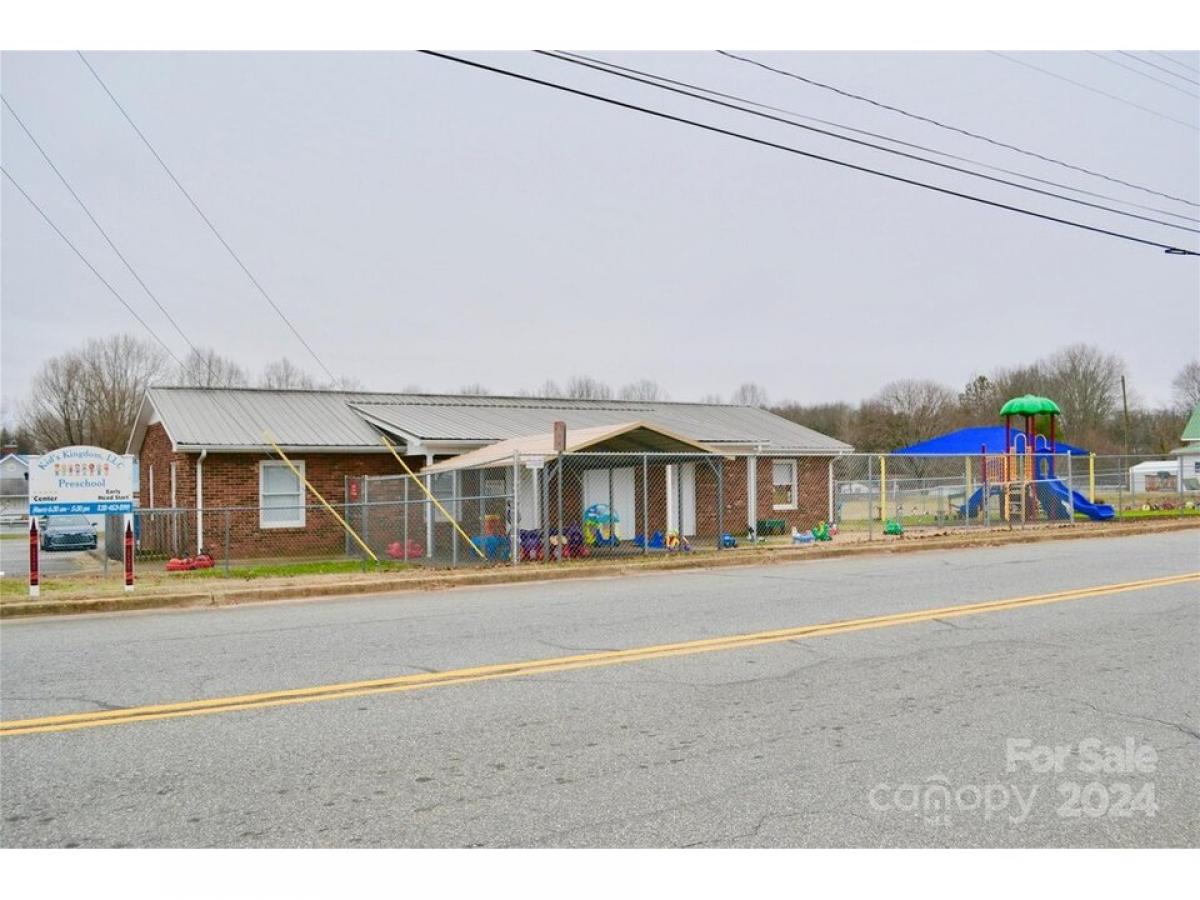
x: 677, y: 542
x: 397, y: 550
x: 493, y: 546
x: 801, y: 537
x: 600, y: 526
x: 188, y: 563
x: 572, y: 543
x: 531, y: 544
x: 728, y: 540
x: 821, y: 532
x: 893, y: 527
x: 657, y: 541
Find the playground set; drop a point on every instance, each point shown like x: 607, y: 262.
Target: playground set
x: 1024, y: 476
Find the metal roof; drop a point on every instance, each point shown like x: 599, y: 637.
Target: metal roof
x: 628, y: 437
x: 236, y: 419
x: 473, y: 419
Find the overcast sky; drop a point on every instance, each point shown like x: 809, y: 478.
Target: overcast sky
x: 426, y: 223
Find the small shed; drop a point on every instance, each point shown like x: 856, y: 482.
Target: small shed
x: 1154, y: 475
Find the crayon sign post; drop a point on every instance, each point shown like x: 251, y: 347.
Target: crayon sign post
x: 88, y: 481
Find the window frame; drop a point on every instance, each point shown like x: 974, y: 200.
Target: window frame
x: 300, y: 521
x: 793, y: 484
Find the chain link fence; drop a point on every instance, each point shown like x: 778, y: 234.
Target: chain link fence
x: 536, y: 509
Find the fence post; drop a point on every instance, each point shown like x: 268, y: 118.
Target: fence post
x: 645, y: 504
x: 559, y: 475
x: 366, y: 509
x: 545, y: 510
x: 407, y: 513
x: 1070, y: 489
x: 721, y: 503
x: 967, y: 492
x: 455, y: 483
x: 870, y: 498
x: 1121, y: 486
x: 1180, y: 485
x: 228, y: 515
x: 829, y: 513
x: 514, y: 538
x: 883, y: 489
x: 1092, y: 477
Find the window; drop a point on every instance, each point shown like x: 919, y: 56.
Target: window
x: 783, y: 484
x: 280, y: 496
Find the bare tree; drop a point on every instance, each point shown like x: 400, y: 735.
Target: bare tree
x: 1187, y: 386
x: 923, y: 407
x: 749, y: 394
x: 475, y: 390
x: 833, y: 419
x: 92, y: 395
x: 712, y: 400
x: 284, y: 374
x: 1086, y: 383
x: 343, y: 383
x: 206, y: 368
x: 584, y: 387
x: 643, y: 389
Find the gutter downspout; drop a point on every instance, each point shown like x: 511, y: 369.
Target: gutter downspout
x: 200, y: 500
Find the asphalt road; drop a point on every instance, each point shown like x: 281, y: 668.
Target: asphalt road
x: 932, y: 733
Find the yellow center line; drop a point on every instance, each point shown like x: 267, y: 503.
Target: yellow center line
x: 74, y: 721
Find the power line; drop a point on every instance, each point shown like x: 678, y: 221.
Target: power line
x: 1088, y: 87
x: 1172, y: 59
x: 883, y: 137
x: 1146, y: 62
x: 205, y: 218
x: 1136, y: 71
x: 95, y: 272
x: 99, y: 227
x: 805, y: 153
x: 972, y: 134
x: 841, y: 137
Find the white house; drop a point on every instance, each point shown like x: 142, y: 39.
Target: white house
x: 14, y: 487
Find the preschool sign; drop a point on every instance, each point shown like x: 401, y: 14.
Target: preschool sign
x: 87, y: 480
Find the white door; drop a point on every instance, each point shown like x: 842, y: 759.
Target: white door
x: 529, y: 498
x: 595, y: 490
x: 686, y: 474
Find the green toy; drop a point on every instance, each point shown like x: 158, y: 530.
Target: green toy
x: 893, y: 527
x: 820, y: 532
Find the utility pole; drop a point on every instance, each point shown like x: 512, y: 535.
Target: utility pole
x: 1125, y: 407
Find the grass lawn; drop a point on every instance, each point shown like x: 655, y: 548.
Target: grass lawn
x: 1157, y: 513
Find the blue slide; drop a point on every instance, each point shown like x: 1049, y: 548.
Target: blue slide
x: 1055, y: 490
x: 1098, y: 511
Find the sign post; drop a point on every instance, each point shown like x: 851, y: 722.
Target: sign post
x: 34, y: 576
x: 128, y: 543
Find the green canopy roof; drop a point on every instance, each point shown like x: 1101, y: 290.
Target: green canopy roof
x: 1030, y: 405
x: 1191, y: 431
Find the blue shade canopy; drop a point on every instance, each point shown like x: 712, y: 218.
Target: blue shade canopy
x: 968, y: 440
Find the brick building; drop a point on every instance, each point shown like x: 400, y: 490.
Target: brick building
x: 206, y: 454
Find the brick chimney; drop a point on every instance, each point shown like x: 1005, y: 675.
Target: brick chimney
x: 7, y: 449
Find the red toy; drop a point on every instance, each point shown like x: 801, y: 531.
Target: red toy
x: 411, y: 550
x: 188, y: 563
